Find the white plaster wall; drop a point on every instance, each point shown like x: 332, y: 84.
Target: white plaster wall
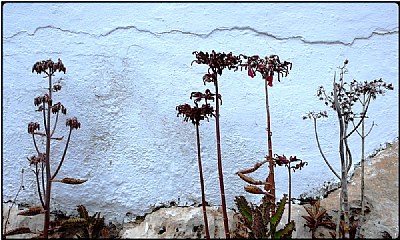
x: 128, y: 66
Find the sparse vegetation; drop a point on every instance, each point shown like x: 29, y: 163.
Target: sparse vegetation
x: 43, y: 161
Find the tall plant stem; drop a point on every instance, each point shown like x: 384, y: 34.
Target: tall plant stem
x: 203, y: 197
x: 48, y: 174
x: 362, y: 167
x: 271, y: 178
x: 290, y: 193
x: 344, y: 192
x: 362, y: 160
x: 220, y: 173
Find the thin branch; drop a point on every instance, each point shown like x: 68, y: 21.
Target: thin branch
x: 38, y: 185
x: 44, y: 119
x: 359, y: 134
x: 34, y: 142
x: 320, y: 150
x: 55, y: 125
x: 63, y: 156
x: 361, y: 119
x: 348, y: 152
x: 366, y: 135
x: 44, y: 189
x: 52, y: 138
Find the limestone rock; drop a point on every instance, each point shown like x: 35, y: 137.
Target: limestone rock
x: 179, y: 222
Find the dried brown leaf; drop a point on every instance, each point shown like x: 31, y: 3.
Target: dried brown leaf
x: 31, y: 211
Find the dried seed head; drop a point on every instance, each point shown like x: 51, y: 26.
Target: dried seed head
x: 48, y: 67
x: 253, y: 189
x: 73, y: 123
x: 33, y: 126
x: 281, y: 160
x: 70, y: 181
x: 57, y: 107
x: 56, y: 87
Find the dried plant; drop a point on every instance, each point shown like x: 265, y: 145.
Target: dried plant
x: 283, y: 161
x: 346, y: 231
x: 195, y: 115
x: 342, y: 99
x: 83, y: 226
x: 365, y: 92
x: 267, y: 67
x: 42, y: 161
x: 21, y: 187
x: 261, y: 221
x: 20, y: 230
x: 216, y: 63
x: 317, y: 216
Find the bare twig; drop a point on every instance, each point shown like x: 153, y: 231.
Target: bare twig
x: 63, y: 156
x: 322, y: 153
x: 21, y: 187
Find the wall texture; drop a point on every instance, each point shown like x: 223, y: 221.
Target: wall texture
x: 128, y: 66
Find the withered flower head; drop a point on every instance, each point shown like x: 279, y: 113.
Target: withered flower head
x: 48, y: 67
x: 73, y: 123
x: 299, y: 166
x: 348, y: 94
x: 195, y: 114
x: 217, y: 61
x: 267, y: 66
x: 56, y: 87
x: 57, y: 107
x: 209, y: 77
x: 207, y: 95
x: 315, y: 115
x: 32, y: 127
x: 281, y: 160
x: 39, y: 100
x: 37, y: 159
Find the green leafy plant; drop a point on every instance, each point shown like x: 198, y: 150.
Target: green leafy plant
x: 43, y: 160
x: 195, y: 115
x: 261, y: 221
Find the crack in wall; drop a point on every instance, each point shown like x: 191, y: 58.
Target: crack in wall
x: 216, y: 30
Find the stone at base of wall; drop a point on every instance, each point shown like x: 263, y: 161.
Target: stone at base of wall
x: 34, y: 223
x: 179, y: 222
x: 187, y: 222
